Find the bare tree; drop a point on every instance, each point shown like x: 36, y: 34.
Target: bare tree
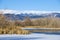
x: 27, y: 21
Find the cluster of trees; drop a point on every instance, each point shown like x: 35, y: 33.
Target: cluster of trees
x: 48, y: 22
x: 42, y: 22
x: 10, y: 27
x: 26, y: 22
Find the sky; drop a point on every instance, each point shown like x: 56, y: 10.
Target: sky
x: 43, y: 5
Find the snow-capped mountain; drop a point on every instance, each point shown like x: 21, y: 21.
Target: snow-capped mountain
x: 16, y: 14
x: 37, y: 12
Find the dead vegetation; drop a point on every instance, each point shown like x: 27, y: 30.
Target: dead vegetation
x: 9, y: 27
x: 14, y: 27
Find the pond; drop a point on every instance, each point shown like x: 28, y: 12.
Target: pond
x: 32, y: 36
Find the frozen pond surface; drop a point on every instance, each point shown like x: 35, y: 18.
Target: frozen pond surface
x: 33, y: 36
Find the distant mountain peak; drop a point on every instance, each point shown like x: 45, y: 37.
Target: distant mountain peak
x: 10, y: 14
x: 27, y: 11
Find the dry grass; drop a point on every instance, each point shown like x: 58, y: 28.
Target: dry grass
x: 14, y: 27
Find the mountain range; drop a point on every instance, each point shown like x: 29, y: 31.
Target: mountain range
x: 20, y: 15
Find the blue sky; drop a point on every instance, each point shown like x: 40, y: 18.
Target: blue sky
x: 43, y: 5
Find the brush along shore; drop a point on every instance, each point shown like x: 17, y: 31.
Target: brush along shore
x: 14, y: 30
